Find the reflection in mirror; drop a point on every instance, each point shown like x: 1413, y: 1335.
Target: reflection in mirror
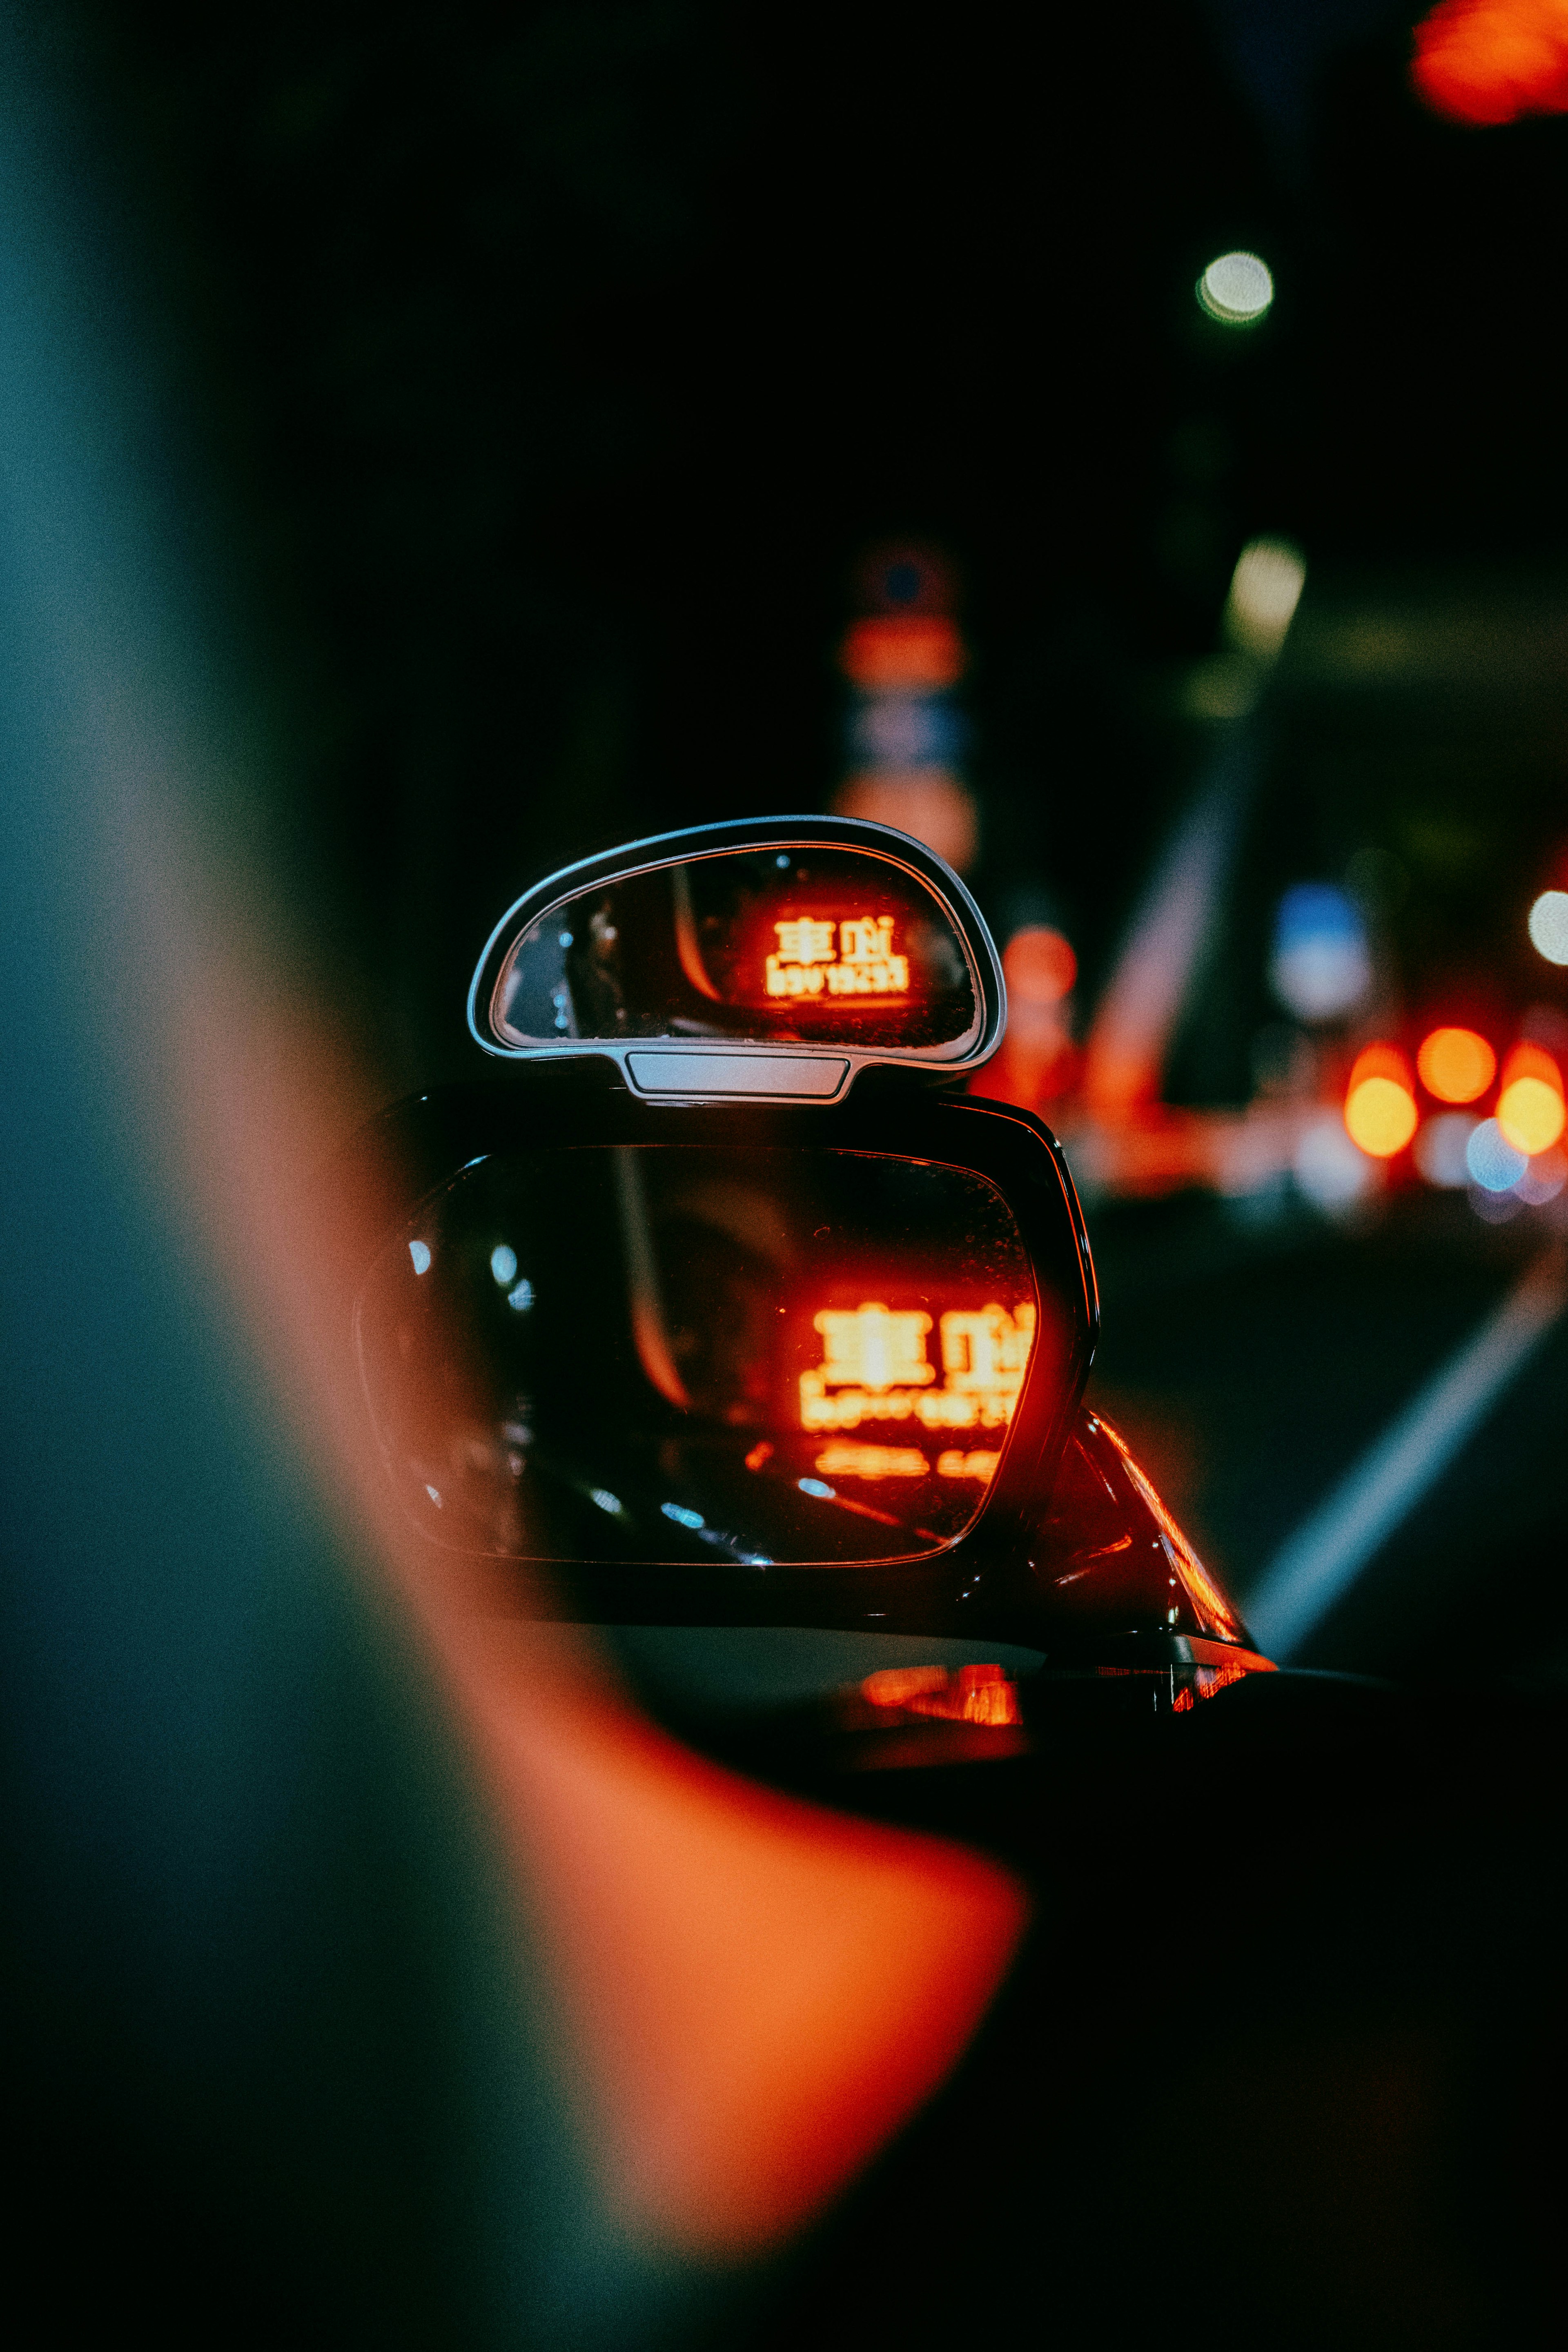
x: 707, y: 1354
x: 813, y: 945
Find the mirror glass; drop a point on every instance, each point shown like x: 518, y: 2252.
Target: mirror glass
x: 663, y: 1353
x: 803, y: 945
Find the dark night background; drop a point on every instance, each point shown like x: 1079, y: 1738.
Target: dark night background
x: 555, y: 363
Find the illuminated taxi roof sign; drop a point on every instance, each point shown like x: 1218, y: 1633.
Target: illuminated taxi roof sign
x: 769, y: 960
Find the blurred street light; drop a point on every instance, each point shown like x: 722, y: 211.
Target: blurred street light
x: 906, y: 732
x: 1455, y: 1065
x: 1549, y: 926
x: 1265, y: 590
x: 1492, y: 1160
x: 1037, y: 1061
x: 1321, y: 965
x: 1236, y: 288
x: 1440, y: 1150
x: 1328, y: 1169
x: 1380, y: 1102
x: 1529, y: 1110
x: 1542, y: 1180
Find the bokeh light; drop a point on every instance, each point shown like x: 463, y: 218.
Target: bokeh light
x: 1530, y: 1113
x: 1493, y: 60
x: 931, y: 803
x: 1455, y: 1065
x: 1380, y: 1102
x: 1380, y: 1115
x: 915, y: 653
x: 1328, y: 1169
x: 1440, y: 1150
x: 1265, y: 590
x: 1236, y: 288
x: 1320, y: 964
x: 1549, y: 926
x: 1543, y: 1178
x: 1039, y: 965
x: 1493, y: 1162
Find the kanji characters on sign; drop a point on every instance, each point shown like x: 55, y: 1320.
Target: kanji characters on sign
x: 809, y: 960
x: 875, y: 1367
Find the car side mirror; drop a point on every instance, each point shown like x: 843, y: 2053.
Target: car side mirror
x: 690, y: 1328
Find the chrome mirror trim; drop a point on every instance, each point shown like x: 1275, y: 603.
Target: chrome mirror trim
x: 727, y: 1069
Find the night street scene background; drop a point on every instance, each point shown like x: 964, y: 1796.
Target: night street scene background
x: 1124, y: 448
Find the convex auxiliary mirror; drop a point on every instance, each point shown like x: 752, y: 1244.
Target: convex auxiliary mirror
x: 769, y: 960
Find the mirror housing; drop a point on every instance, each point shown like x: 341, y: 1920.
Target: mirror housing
x: 409, y: 1158
x: 767, y: 961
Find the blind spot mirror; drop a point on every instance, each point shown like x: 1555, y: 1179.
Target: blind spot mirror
x: 769, y: 960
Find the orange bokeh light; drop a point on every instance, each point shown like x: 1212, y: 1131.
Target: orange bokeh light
x: 1492, y: 60
x: 1530, y: 1115
x: 1530, y: 1104
x: 1380, y: 1102
x: 932, y: 803
x: 1380, y: 1115
x: 1039, y: 964
x: 1528, y: 1061
x: 903, y: 654
x: 1455, y: 1065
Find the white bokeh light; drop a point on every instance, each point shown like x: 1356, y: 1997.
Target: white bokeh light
x: 1265, y: 590
x: 1328, y: 1169
x: 1543, y: 1178
x: 1236, y: 288
x: 1549, y: 926
x: 1441, y: 1147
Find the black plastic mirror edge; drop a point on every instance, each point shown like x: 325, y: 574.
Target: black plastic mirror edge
x: 981, y: 1582
x: 761, y: 832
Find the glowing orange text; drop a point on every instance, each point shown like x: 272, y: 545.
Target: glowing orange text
x: 875, y: 1367
x: 849, y: 1460
x: 854, y: 957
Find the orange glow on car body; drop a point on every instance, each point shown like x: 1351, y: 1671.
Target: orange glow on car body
x: 1457, y: 1066
x: 983, y: 1694
x: 1206, y: 1682
x: 1210, y: 1605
